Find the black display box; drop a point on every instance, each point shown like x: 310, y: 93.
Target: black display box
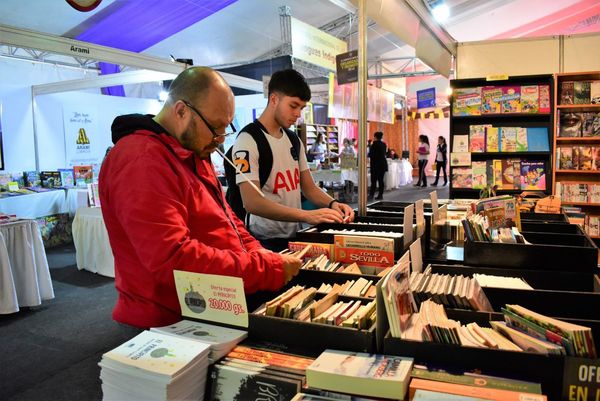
x: 547, y: 217
x: 552, y: 227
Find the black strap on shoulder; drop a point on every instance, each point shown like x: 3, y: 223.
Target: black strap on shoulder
x: 265, y: 155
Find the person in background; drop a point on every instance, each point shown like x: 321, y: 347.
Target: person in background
x: 377, y: 152
x: 318, y: 149
x: 164, y: 208
x: 348, y: 149
x: 274, y: 218
x: 441, y: 158
x: 391, y: 154
x: 422, y: 156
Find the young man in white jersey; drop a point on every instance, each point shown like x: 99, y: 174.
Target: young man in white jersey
x: 275, y: 218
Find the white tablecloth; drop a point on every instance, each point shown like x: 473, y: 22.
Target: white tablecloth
x: 92, y: 247
x: 399, y: 174
x: 76, y: 198
x: 35, y: 205
x: 24, y: 274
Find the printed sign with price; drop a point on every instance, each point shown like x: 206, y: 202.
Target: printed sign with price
x: 212, y: 298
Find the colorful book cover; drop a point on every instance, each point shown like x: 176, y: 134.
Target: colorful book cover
x: 587, y: 124
x: 533, y: 175
x: 576, y: 157
x: 32, y: 179
x: 544, y: 92
x: 570, y: 125
x: 508, y: 139
x: 511, y: 99
x: 596, y: 125
x: 316, y: 249
x: 497, y: 167
x: 596, y: 153
x: 489, y: 170
x: 67, y: 177
x: 364, y: 250
x: 585, y: 158
x: 595, y: 92
x: 566, y: 92
x: 581, y: 92
x: 477, y: 137
x: 50, y: 179
x: 460, y: 143
x: 521, y: 139
x: 530, y: 99
x: 537, y: 139
x: 508, y: 174
x: 462, y: 177
x: 565, y: 154
x: 479, y: 171
x: 467, y: 102
x: 492, y: 135
x: 491, y: 97
x: 460, y: 159
x: 83, y: 175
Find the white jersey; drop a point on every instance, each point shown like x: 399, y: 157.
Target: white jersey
x: 282, y: 186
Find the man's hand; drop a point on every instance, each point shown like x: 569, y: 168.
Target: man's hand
x: 323, y: 215
x: 346, y: 211
x: 291, y: 265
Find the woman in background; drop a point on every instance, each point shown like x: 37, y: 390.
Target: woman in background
x: 318, y: 148
x: 422, y: 156
x: 441, y: 159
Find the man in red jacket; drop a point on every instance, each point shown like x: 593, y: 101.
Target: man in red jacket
x: 164, y: 208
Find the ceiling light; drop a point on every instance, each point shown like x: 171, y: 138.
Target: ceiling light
x: 163, y: 95
x: 440, y: 12
x: 398, y: 106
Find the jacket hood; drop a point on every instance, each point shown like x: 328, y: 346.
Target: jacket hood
x: 128, y: 124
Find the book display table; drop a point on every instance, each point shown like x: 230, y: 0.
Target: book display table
x: 34, y: 205
x: 24, y: 274
x: 93, y: 251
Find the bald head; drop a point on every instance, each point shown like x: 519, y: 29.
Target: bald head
x: 194, y: 84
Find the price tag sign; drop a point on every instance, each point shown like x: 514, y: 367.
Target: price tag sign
x: 212, y: 297
x: 581, y: 379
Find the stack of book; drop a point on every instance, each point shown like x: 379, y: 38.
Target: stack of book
x: 479, y: 228
x: 249, y: 373
x: 154, y: 366
x: 369, y: 375
x: 220, y: 339
x: 323, y: 263
x: 487, y: 280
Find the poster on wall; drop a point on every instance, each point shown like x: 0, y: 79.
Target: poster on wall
x: 81, y: 136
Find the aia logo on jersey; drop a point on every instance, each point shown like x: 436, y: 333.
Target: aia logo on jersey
x: 241, y: 159
x: 287, y: 180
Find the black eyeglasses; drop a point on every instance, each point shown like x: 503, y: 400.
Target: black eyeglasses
x: 212, y: 130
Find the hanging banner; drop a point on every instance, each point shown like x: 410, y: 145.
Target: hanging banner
x: 80, y: 134
x: 315, y: 46
x: 426, y: 98
x: 347, y: 67
x: 343, y: 102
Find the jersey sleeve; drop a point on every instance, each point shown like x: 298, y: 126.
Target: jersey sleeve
x: 302, y: 163
x: 245, y: 156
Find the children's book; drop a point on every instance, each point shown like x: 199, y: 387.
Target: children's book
x: 477, y: 137
x: 462, y: 159
x: 467, y: 102
x: 521, y: 139
x: 462, y: 177
x: 83, y: 175
x: 530, y: 99
x: 492, y: 139
x: 67, y: 177
x: 511, y: 99
x: 533, y: 175
x: 32, y: 179
x: 50, y: 179
x: 537, y: 139
x: 479, y: 180
x: 544, y: 96
x: 508, y: 142
x: 491, y: 99
x: 460, y: 143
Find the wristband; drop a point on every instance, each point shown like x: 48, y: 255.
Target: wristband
x: 331, y: 203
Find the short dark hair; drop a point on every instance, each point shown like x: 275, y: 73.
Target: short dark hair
x: 290, y: 83
x: 378, y: 135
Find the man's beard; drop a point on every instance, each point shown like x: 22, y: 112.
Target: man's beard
x: 189, y: 141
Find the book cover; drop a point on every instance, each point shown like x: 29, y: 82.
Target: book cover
x: 492, y: 136
x: 364, y: 250
x: 566, y: 92
x: 576, y: 157
x: 581, y: 92
x: 585, y: 158
x: 67, y: 177
x: 32, y: 179
x: 530, y: 99
x: 565, y: 154
x: 477, y: 137
x: 521, y: 139
x: 294, y: 362
x: 533, y: 175
x: 462, y: 177
x: 371, y: 375
x: 508, y: 139
x: 491, y: 97
x: 497, y: 168
x: 467, y: 102
x: 472, y: 391
x: 570, y: 125
x: 595, y: 92
x: 50, y: 179
x: 203, y: 332
x: 460, y: 159
x: 537, y: 139
x: 511, y: 99
x: 596, y: 157
x: 508, y: 175
x: 544, y: 92
x: 587, y: 124
x: 316, y: 249
x: 83, y: 175
x: 479, y: 180
x: 596, y: 125
x: 460, y: 143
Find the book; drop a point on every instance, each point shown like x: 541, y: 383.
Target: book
x: 477, y: 137
x: 364, y: 250
x: 530, y: 99
x: 533, y: 175
x: 427, y: 395
x: 595, y: 92
x: 521, y: 139
x: 544, y: 97
x: 371, y: 375
x: 508, y: 139
x: 462, y: 177
x: 67, y: 177
x: 32, y: 179
x: 471, y: 391
x: 83, y: 176
x: 587, y: 124
x: 490, y: 99
x: 460, y: 143
x: 537, y: 139
x: 479, y: 174
x: 586, y: 161
x: 511, y: 99
x: 566, y: 92
x: 570, y: 124
x: 565, y: 158
x: 458, y: 159
x: 467, y: 102
x: 315, y: 250
x: 581, y: 92
x: 492, y: 135
x: 50, y: 179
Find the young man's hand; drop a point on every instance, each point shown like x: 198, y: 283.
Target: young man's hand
x: 323, y: 215
x: 346, y: 211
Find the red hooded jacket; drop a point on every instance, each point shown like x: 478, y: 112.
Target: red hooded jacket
x: 164, y: 210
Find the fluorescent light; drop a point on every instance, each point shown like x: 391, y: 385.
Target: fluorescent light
x: 440, y: 12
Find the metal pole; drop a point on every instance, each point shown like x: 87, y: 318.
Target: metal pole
x: 362, y: 107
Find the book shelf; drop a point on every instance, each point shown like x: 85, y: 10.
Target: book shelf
x: 308, y: 134
x: 576, y: 173
x: 512, y: 111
